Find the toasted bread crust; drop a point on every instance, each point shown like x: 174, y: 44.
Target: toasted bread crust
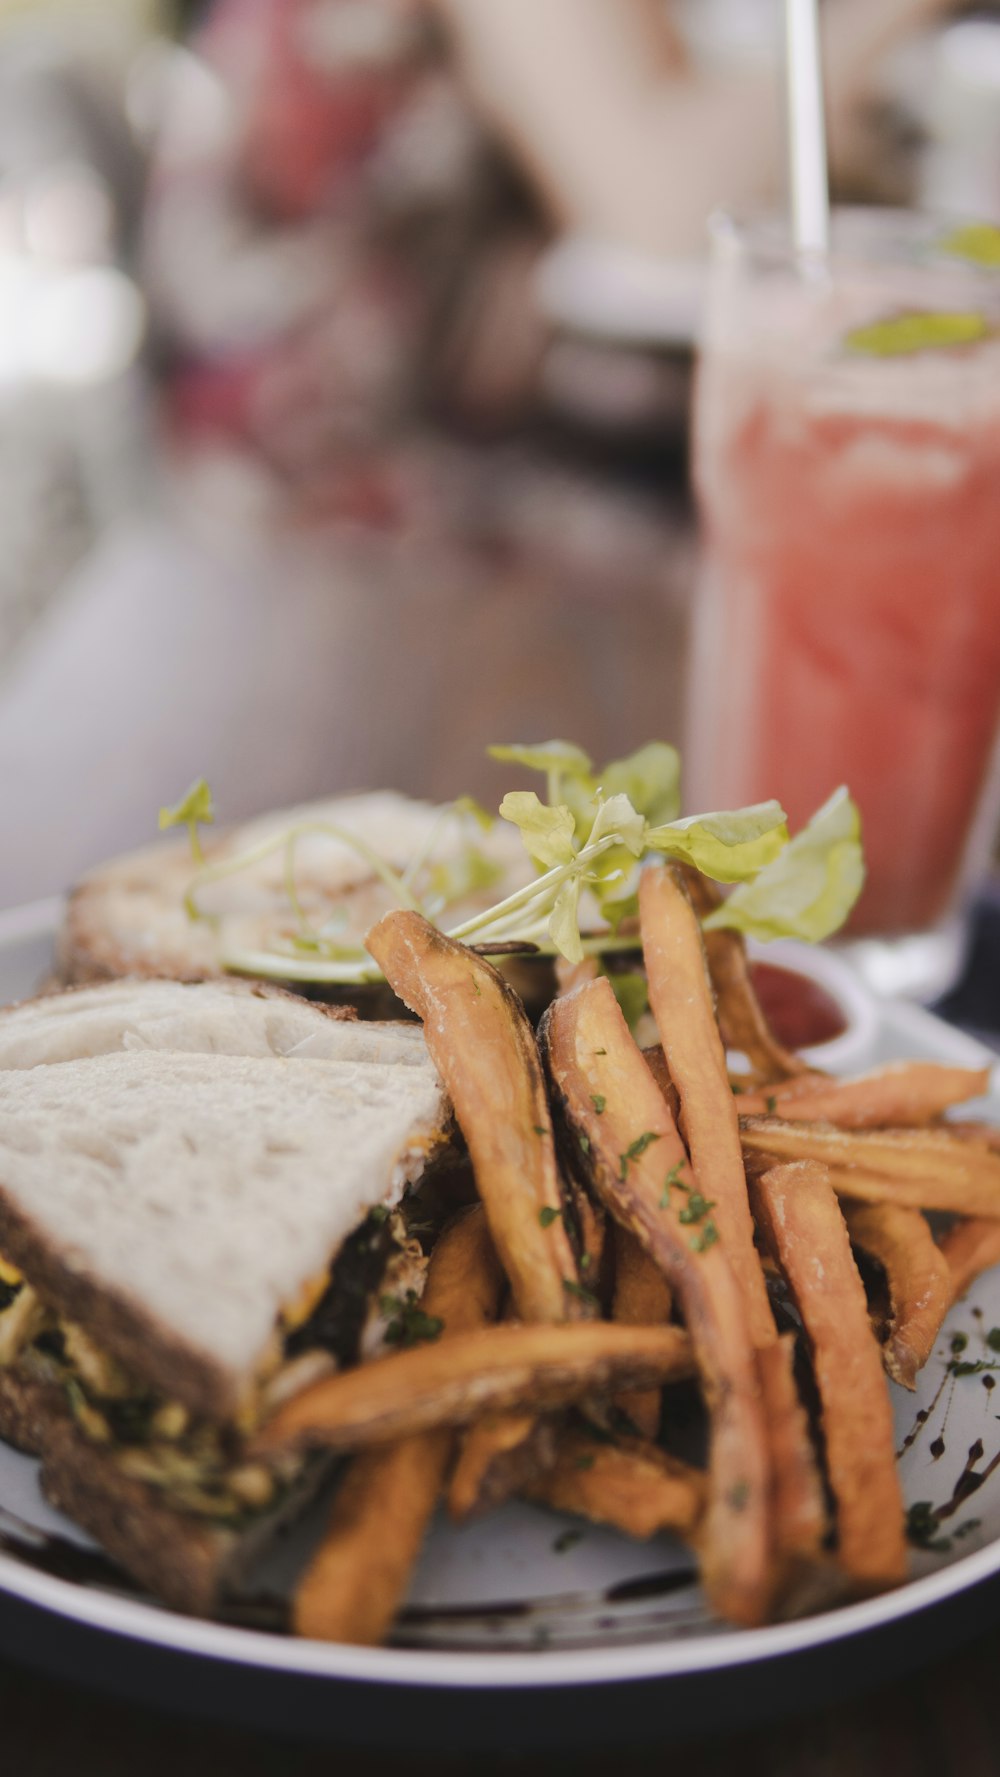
x: 187, y: 1562
x: 119, y: 1326
x: 179, y: 1558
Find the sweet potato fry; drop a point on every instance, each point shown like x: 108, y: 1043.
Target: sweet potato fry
x: 641, y: 1299
x: 918, y: 1278
x: 640, y: 1169
x: 634, y: 1486
x: 918, y: 1169
x: 799, y: 1506
x: 656, y: 1062
x: 354, y: 1583
x: 455, y: 1381
x: 904, y: 1094
x: 970, y: 1248
x: 497, y: 1458
x: 742, y: 1020
x: 800, y: 1219
x: 485, y: 1052
x: 680, y: 994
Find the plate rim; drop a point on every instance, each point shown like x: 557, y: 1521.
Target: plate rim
x: 500, y: 1669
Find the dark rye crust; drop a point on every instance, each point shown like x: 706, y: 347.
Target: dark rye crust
x: 115, y: 1321
x: 118, y: 1325
x: 185, y: 1561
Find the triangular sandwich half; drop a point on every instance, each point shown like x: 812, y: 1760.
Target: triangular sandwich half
x: 185, y: 1173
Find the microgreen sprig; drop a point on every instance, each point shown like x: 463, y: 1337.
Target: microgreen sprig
x: 592, y: 836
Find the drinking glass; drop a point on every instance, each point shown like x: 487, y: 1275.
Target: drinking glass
x: 847, y: 622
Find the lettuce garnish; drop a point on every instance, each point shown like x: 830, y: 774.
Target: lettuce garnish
x: 811, y: 885
x: 587, y: 840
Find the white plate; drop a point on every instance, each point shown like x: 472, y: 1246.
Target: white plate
x: 494, y: 1605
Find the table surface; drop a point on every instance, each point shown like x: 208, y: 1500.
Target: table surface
x: 167, y: 658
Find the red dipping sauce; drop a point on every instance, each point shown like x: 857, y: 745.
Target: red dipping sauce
x: 800, y: 1012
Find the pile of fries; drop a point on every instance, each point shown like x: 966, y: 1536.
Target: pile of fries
x: 643, y: 1221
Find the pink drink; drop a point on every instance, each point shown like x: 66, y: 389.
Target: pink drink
x: 848, y: 628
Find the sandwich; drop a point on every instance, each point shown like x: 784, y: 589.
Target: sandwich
x: 132, y: 916
x: 203, y: 1206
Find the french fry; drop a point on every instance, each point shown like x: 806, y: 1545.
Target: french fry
x: 656, y: 1062
x: 642, y: 1298
x: 904, y: 1094
x: 497, y: 1458
x: 354, y: 1583
x: 639, y: 1167
x: 742, y: 1020
x: 484, y: 1050
x: 917, y: 1169
x: 680, y: 994
x: 799, y: 1217
x: 634, y: 1486
x: 918, y: 1276
x: 970, y: 1248
x: 799, y: 1507
x: 455, y: 1381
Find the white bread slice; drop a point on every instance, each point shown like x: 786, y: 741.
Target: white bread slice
x: 227, y: 1017
x: 177, y: 1163
x: 128, y: 917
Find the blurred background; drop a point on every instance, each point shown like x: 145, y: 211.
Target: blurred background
x: 345, y: 360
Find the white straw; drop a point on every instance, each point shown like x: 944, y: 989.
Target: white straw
x: 806, y: 129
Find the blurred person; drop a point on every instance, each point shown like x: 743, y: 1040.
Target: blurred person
x: 369, y: 211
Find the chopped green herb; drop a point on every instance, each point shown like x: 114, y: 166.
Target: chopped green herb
x: 539, y: 1129
x: 958, y: 1343
x: 598, y: 1101
x: 636, y: 1149
x: 993, y: 1338
x: 547, y: 1215
x: 567, y: 1539
x: 600, y: 1051
x: 671, y: 1179
x: 696, y: 1208
x: 738, y: 1496
x: 971, y: 1369
x: 476, y: 987
x: 379, y: 1214
x: 585, y: 1462
x: 586, y: 1260
x: 408, y: 1323
x: 968, y: 1527
x: 770, y: 1104
x: 584, y: 1141
x: 706, y: 1237
x: 579, y: 1290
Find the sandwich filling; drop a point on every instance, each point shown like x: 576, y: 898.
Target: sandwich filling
x: 362, y: 1304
